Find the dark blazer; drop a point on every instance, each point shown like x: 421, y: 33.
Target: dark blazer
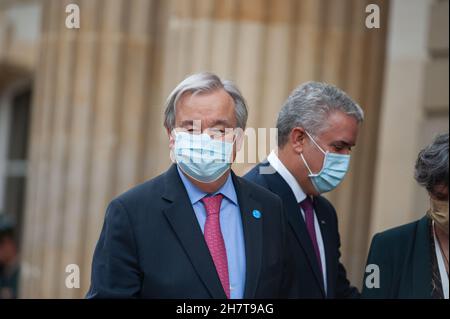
x: 404, y: 259
x: 151, y: 244
x: 307, y: 281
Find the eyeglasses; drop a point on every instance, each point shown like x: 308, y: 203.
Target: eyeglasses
x: 227, y: 134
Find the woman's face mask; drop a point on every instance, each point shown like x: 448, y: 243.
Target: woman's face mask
x: 439, y: 213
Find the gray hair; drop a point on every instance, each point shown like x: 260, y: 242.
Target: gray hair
x: 309, y: 105
x: 201, y: 83
x: 432, y: 164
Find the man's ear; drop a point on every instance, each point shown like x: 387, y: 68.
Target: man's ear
x: 297, y: 139
x: 239, y: 136
x: 171, y: 137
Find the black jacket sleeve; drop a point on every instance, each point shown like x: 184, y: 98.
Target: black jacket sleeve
x: 344, y: 289
x: 115, y: 267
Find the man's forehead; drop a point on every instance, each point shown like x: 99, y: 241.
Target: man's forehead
x: 190, y: 97
x: 333, y: 137
x: 338, y: 137
x: 206, y: 115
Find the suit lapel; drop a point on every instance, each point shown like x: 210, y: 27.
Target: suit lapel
x: 253, y: 236
x: 279, y: 186
x: 422, y: 273
x: 181, y: 217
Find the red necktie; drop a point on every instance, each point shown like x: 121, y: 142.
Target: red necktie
x: 214, y: 239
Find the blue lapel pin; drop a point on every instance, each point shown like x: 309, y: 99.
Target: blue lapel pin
x: 256, y: 214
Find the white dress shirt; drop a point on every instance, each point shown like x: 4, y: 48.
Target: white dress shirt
x: 440, y: 260
x: 300, y: 196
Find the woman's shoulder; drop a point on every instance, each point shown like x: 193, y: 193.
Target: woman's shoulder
x: 400, y: 235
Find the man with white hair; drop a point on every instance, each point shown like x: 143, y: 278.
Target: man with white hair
x: 198, y: 230
x: 317, y: 127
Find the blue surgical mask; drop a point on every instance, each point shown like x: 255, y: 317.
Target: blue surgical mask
x: 202, y: 157
x: 333, y: 170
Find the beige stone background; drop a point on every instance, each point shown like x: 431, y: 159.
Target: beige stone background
x: 81, y: 109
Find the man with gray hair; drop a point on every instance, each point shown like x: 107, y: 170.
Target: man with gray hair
x: 198, y: 230
x: 317, y: 127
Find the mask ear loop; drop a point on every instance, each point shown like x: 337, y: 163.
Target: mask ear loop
x: 173, y: 136
x: 306, y: 164
x: 234, y: 138
x: 303, y: 158
x: 315, y: 143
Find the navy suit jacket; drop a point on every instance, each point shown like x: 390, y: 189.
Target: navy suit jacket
x: 151, y: 244
x: 307, y: 281
x: 403, y: 255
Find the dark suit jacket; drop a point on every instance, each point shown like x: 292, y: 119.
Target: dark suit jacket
x: 151, y: 244
x: 307, y: 281
x: 404, y: 259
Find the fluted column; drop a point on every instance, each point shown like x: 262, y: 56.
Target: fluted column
x: 92, y: 104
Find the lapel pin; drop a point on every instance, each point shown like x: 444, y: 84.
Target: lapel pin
x: 256, y: 214
x: 322, y: 222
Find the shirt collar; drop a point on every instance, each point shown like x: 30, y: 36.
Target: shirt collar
x: 276, y: 163
x: 195, y: 194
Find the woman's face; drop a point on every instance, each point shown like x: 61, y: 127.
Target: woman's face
x: 440, y: 192
x: 438, y: 211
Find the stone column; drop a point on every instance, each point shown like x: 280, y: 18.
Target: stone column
x: 415, y: 108
x: 94, y: 98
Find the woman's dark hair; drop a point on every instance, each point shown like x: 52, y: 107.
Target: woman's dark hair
x: 432, y: 164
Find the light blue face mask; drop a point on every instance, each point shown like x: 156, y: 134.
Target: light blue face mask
x: 333, y: 170
x: 201, y: 157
